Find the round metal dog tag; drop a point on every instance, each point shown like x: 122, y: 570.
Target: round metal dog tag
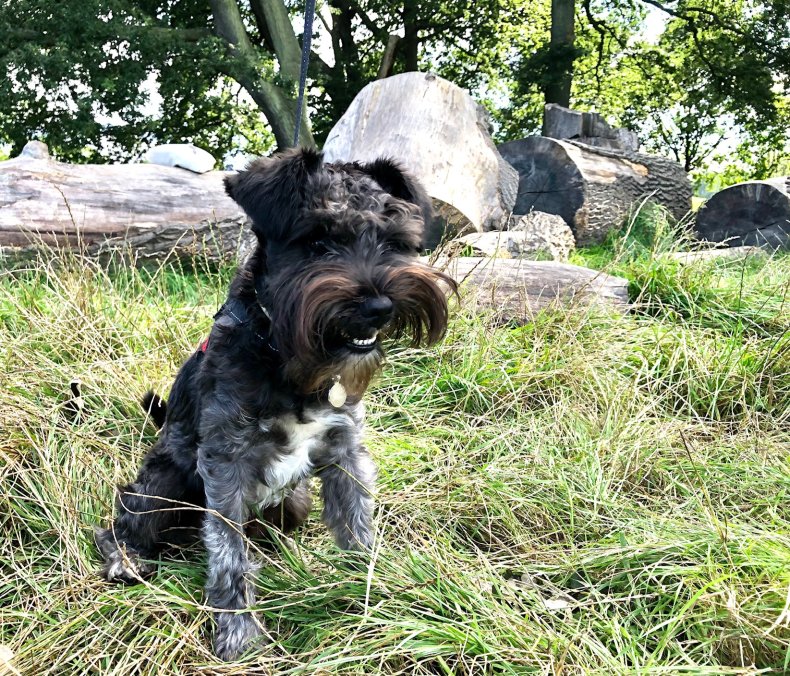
x: 337, y: 394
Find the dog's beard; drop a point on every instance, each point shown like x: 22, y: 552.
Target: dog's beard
x: 317, y: 321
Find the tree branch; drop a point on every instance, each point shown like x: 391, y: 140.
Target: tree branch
x: 281, y: 31
x: 376, y: 30
x: 260, y: 24
x: 276, y: 103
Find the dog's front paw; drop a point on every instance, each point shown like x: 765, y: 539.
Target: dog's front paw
x: 235, y: 634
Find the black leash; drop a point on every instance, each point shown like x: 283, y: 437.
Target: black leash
x: 307, y: 38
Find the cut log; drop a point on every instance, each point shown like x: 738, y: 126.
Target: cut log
x: 753, y: 213
x: 515, y: 289
x: 588, y: 128
x: 441, y: 136
x: 536, y: 236
x: 153, y: 210
x: 593, y: 189
x: 736, y: 253
x: 546, y: 232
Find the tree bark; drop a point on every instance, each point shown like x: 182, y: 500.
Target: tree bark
x: 561, y: 52
x: 593, y: 189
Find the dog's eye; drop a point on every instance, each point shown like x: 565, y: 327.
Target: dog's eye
x: 318, y: 247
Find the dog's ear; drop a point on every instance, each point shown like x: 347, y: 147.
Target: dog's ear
x: 273, y: 190
x: 399, y: 183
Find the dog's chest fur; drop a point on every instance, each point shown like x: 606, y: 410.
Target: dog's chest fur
x: 294, y: 447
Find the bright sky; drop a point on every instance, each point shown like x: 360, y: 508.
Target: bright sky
x: 654, y: 24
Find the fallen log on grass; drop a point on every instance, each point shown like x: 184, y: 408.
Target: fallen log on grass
x: 730, y: 254
x: 149, y: 210
x: 755, y: 213
x: 593, y: 189
x: 515, y: 289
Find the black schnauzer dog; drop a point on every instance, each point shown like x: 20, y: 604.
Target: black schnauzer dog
x: 274, y: 395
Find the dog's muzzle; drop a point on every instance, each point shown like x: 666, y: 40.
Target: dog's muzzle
x: 373, y: 314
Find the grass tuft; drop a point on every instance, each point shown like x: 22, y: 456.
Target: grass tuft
x: 589, y: 494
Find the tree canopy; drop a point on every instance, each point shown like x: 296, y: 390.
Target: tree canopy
x: 101, y: 80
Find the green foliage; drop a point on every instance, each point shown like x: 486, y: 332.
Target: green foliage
x: 710, y: 90
x: 79, y: 76
x: 713, y: 81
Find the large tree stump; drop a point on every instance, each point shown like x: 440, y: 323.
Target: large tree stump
x: 152, y: 210
x: 515, y: 288
x: 593, y: 189
x: 755, y: 213
x: 441, y: 136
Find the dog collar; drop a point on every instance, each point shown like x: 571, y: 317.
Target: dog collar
x: 337, y: 393
x: 203, y: 346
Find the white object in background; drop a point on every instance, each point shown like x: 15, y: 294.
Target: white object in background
x: 183, y: 155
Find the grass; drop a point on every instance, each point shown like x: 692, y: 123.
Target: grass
x: 589, y: 494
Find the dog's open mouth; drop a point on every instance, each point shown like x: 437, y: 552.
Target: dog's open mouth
x: 361, y: 344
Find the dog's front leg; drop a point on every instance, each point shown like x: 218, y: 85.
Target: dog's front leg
x: 347, y: 492
x: 228, y: 587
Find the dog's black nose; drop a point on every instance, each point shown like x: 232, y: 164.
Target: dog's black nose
x: 377, y: 310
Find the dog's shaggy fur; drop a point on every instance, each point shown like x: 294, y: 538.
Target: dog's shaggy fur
x: 249, y: 417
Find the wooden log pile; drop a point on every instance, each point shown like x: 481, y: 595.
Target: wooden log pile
x: 156, y: 212
x: 593, y: 189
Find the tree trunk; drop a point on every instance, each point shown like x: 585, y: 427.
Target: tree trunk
x: 280, y: 112
x: 275, y: 101
x: 388, y: 58
x: 593, y: 189
x: 755, y: 213
x: 152, y: 211
x: 561, y: 52
x: 345, y: 78
x: 410, y: 44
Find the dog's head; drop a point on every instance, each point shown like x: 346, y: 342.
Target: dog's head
x: 339, y: 246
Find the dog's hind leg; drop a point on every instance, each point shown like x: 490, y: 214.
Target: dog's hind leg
x: 150, y: 513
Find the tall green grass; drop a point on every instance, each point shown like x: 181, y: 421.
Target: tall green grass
x: 591, y: 493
